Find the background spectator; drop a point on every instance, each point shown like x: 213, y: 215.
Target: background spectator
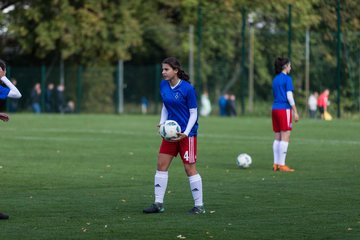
x: 312, y: 103
x: 144, y: 105
x: 60, y: 99
x: 35, y: 97
x: 323, y: 102
x: 222, y: 105
x: 50, y: 98
x: 13, y: 102
x: 205, y: 105
x: 231, y: 106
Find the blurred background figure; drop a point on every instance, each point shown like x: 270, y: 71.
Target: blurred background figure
x: 231, y: 106
x: 13, y: 102
x: 205, y: 105
x: 144, y: 105
x: 222, y: 105
x: 70, y: 107
x: 312, y: 103
x: 60, y: 99
x: 49, y: 98
x: 35, y: 97
x: 322, y: 102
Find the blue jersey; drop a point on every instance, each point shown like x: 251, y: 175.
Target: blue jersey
x: 281, y: 84
x: 178, y: 101
x: 4, y: 92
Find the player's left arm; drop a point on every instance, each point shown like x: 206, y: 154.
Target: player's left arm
x: 190, y: 124
x: 291, y: 100
x: 193, y: 110
x: 192, y: 105
x: 192, y: 120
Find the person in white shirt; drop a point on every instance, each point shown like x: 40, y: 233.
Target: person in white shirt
x: 205, y: 105
x: 312, y: 103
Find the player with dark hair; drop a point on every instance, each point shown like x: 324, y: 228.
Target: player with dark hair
x: 10, y: 91
x: 180, y: 105
x: 282, y: 109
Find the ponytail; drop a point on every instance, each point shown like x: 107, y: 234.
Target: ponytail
x: 183, y: 75
x: 280, y: 64
x: 2, y: 65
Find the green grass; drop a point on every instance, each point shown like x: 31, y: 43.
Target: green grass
x: 90, y: 176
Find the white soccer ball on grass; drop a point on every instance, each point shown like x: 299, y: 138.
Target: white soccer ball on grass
x: 243, y: 160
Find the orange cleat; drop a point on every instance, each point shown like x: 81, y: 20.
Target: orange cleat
x: 275, y: 167
x: 284, y: 168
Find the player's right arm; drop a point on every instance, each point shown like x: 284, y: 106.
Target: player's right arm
x: 164, y: 115
x: 14, y: 92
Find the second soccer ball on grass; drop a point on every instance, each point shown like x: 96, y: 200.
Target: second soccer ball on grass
x: 243, y: 160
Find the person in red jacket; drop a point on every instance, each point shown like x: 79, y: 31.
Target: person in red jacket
x: 323, y: 102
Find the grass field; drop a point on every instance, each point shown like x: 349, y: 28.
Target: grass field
x: 90, y: 176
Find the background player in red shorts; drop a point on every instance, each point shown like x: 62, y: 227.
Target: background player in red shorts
x: 180, y: 105
x: 282, y: 109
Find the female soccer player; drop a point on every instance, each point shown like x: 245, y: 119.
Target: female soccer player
x: 282, y: 108
x: 12, y: 92
x: 179, y: 104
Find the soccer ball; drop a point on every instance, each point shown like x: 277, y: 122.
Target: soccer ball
x: 243, y: 160
x: 169, y: 129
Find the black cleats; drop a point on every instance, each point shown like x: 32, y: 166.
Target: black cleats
x: 155, y: 208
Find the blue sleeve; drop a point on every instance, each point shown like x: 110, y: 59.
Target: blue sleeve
x: 4, y: 92
x: 289, y: 85
x: 191, y: 98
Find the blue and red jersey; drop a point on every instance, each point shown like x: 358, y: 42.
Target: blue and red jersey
x: 282, y: 83
x: 4, y: 92
x: 178, y: 101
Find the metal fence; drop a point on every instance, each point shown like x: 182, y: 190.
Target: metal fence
x: 96, y: 89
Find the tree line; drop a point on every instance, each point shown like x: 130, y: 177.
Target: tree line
x: 99, y: 33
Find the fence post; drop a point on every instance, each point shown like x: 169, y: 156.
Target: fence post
x: 43, y: 87
x: 79, y: 88
x: 157, y: 87
x: 338, y: 57
x: 120, y: 85
x: 191, y: 52
x: 242, y: 83
x: 289, y: 32
x: 8, y: 73
x: 251, y: 63
x: 307, y: 67
x: 198, y: 84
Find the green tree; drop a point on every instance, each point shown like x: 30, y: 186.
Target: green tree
x: 90, y: 33
x: 98, y: 33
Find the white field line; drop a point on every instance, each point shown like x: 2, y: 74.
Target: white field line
x: 209, y: 137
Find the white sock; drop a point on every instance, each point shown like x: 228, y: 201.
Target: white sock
x: 282, y: 152
x: 196, y: 189
x: 161, y: 180
x: 276, y: 150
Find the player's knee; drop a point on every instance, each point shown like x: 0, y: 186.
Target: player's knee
x: 161, y: 167
x: 190, y: 171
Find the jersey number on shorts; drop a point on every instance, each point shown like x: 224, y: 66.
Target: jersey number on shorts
x: 186, y: 155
